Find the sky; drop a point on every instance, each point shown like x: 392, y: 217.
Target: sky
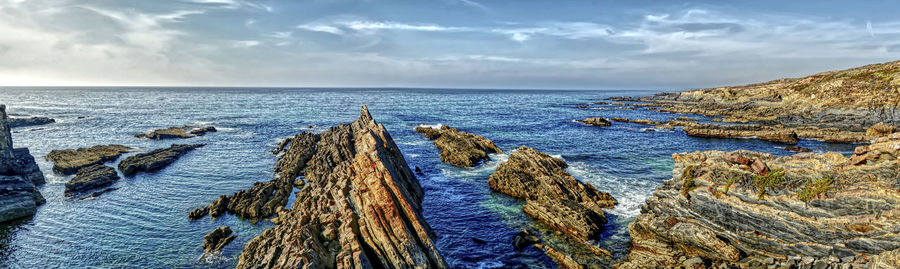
x: 438, y: 43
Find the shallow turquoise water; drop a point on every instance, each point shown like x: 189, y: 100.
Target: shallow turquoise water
x: 144, y: 223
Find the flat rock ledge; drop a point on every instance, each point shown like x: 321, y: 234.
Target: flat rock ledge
x: 30, y: 121
x: 19, y: 177
x: 360, y: 208
x: 751, y: 210
x: 459, y: 148
x: 90, y: 178
x: 553, y: 196
x: 177, y: 132
x: 767, y: 133
x: 155, y: 160
x: 217, y: 239
x: 68, y: 161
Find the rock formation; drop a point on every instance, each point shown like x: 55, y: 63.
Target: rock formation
x: 360, y: 208
x: 68, y: 161
x: 797, y: 149
x: 154, y: 160
x: 647, y: 122
x: 742, y: 131
x: 552, y: 195
x: 459, y: 148
x: 217, y: 239
x: 19, y: 176
x: 598, y: 121
x: 90, y: 178
x: 32, y: 121
x: 177, y: 132
x: 743, y: 208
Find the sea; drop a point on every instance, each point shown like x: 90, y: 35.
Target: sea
x: 144, y: 224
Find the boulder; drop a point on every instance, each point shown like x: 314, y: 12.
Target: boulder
x: 68, y: 161
x: 811, y: 206
x: 217, y: 239
x: 155, y: 160
x: 90, y: 178
x: 32, y: 121
x: 177, y: 132
x: 459, y: 148
x: 360, y: 208
x: 598, y: 121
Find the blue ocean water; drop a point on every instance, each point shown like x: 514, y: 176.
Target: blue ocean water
x: 143, y: 224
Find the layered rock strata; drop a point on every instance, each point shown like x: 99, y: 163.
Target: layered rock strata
x: 19, y: 176
x: 459, y: 148
x: 743, y: 208
x: 553, y: 196
x: 155, y: 160
x: 177, y: 132
x: 91, y: 178
x: 743, y: 131
x: 68, y: 161
x: 360, y: 208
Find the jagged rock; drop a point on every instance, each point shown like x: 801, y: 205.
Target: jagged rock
x: 552, y: 195
x: 19, y: 175
x: 264, y: 199
x: 177, y: 132
x: 742, y: 131
x: 797, y: 149
x: 91, y: 177
x: 154, y: 160
x: 68, y: 161
x: 814, y: 206
x: 459, y: 148
x: 217, y: 239
x: 880, y: 129
x: 32, y: 121
x: 361, y: 208
x: 598, y: 121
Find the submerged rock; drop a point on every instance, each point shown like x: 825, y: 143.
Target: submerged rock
x: 177, y: 132
x: 361, y: 208
x: 459, y: 148
x: 155, y: 160
x: 32, y: 121
x: 90, y: 178
x: 68, y: 161
x: 217, y: 239
x: 598, y: 121
x: 815, y: 206
x: 552, y: 195
x: 19, y: 176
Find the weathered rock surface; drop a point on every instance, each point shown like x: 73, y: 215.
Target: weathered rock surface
x: 459, y: 148
x: 217, y: 239
x: 552, y: 195
x: 155, y: 160
x: 742, y: 131
x: 90, y: 178
x: 598, y: 121
x: 177, y: 132
x: 19, y: 175
x: 360, y: 208
x: 32, y: 121
x: 68, y: 161
x: 809, y: 207
x: 647, y: 122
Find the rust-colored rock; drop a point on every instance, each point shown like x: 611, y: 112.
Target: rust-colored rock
x: 797, y: 149
x: 459, y: 148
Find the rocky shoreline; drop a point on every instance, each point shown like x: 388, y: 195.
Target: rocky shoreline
x: 19, y: 177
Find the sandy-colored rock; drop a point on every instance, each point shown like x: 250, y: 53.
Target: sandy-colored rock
x: 154, y: 160
x: 880, y: 129
x: 90, y: 178
x: 742, y: 131
x: 68, y: 161
x: 177, y: 132
x: 814, y: 206
x: 360, y: 208
x: 459, y: 148
x: 217, y: 239
x: 598, y: 121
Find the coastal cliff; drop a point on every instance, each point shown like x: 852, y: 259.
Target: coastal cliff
x: 360, y: 207
x: 19, y: 176
x: 743, y: 208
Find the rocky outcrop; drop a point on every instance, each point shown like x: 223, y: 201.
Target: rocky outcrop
x: 155, y: 160
x: 742, y: 131
x: 177, y: 132
x: 68, y: 161
x: 19, y: 176
x: 217, y: 239
x: 647, y: 122
x: 459, y: 148
x: 360, y: 208
x: 265, y: 199
x: 797, y: 149
x: 552, y: 195
x: 32, y: 121
x: 598, y: 121
x: 802, y: 210
x: 90, y: 178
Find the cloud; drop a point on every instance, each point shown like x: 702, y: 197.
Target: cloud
x: 567, y: 30
x: 245, y: 43
x: 233, y: 4
x: 321, y: 28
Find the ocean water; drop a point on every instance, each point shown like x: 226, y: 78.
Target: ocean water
x: 143, y: 224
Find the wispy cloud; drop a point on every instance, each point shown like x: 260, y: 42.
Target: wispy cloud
x: 233, y: 4
x: 321, y: 28
x: 245, y: 43
x: 568, y: 30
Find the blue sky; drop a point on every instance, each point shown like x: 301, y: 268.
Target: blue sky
x: 438, y: 43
